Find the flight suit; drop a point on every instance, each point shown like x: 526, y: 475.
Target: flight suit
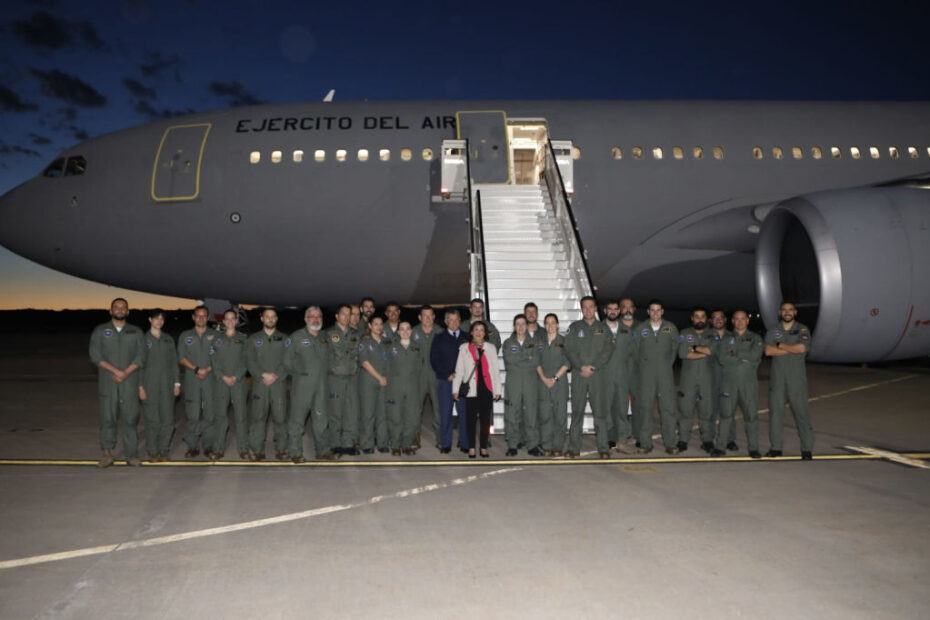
x: 553, y: 402
x: 160, y: 371
x: 198, y: 393
x: 342, y: 383
x: 427, y: 376
x: 619, y: 383
x: 654, y: 353
x: 229, y: 360
x: 788, y: 381
x: 739, y: 357
x: 493, y: 334
x: 717, y: 386
x: 305, y: 359
x: 265, y: 353
x: 521, y: 407
x: 403, y: 389
x: 120, y: 348
x: 588, y: 345
x: 695, y: 385
x: 373, y: 428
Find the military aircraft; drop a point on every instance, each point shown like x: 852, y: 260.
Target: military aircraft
x: 735, y: 204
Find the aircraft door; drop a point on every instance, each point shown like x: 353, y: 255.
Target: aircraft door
x: 176, y: 173
x: 488, y: 151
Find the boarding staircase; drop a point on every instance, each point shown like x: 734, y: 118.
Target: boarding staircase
x: 526, y: 247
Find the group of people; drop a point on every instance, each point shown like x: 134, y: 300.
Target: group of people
x: 363, y: 382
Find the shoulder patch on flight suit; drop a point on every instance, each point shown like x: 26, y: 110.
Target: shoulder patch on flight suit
x: 218, y: 343
x: 513, y: 349
x: 645, y: 333
x: 107, y: 333
x: 287, y: 342
x: 666, y: 330
x: 210, y: 336
x: 777, y: 334
x: 258, y: 342
x: 598, y: 332
x: 334, y: 338
x: 394, y: 351
x: 189, y: 340
x: 416, y: 336
x: 540, y: 347
x: 148, y: 343
x: 581, y: 333
x: 305, y: 342
x: 690, y: 338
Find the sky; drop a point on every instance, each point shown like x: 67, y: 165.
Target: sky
x: 73, y: 70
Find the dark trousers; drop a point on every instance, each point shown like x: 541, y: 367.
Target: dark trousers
x: 444, y: 389
x: 478, y: 411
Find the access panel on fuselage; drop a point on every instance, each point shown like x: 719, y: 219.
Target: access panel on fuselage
x: 176, y: 173
x: 486, y: 132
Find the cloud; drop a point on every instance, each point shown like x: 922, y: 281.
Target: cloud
x: 79, y: 133
x: 146, y: 109
x: 13, y: 149
x: 40, y: 140
x: 139, y: 89
x: 11, y: 102
x: 234, y: 92
x: 69, y: 88
x: 155, y: 64
x: 43, y: 30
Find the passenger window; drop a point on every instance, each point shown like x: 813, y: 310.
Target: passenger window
x: 698, y: 152
x: 718, y: 152
x: 363, y: 154
x: 854, y: 151
x: 777, y: 153
x: 657, y: 152
x: 757, y: 152
x: 874, y: 152
x: 576, y: 152
x: 384, y: 154
x: 893, y: 152
x: 319, y: 155
x: 55, y: 168
x: 836, y: 152
x: 616, y: 152
x: 75, y: 166
x: 406, y: 154
x: 912, y: 152
x: 796, y: 152
x: 276, y: 157
x: 298, y: 156
x: 816, y: 152
x: 427, y: 154
x: 340, y: 154
x: 677, y: 152
x: 637, y: 152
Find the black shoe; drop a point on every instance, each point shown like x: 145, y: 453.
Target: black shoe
x: 297, y: 460
x: 244, y: 455
x: 463, y: 450
x: 754, y: 454
x: 638, y: 445
x: 353, y: 451
x: 715, y: 452
x: 707, y: 446
x: 445, y: 450
x: 521, y: 445
x: 771, y: 454
x: 191, y: 453
x: 484, y: 454
x: 258, y: 456
x: 337, y: 451
x: 807, y: 456
x: 471, y: 454
x: 682, y: 446
x: 395, y: 452
x: 611, y: 444
x: 384, y: 450
x: 537, y: 451
x: 368, y: 451
x: 281, y: 455
x: 732, y: 446
x: 604, y: 455
x: 512, y: 452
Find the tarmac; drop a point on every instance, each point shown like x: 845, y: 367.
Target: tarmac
x: 844, y: 536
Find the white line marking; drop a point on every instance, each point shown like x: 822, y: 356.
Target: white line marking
x: 891, y: 456
x: 247, y: 525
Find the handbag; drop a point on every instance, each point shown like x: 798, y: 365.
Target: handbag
x: 465, y: 387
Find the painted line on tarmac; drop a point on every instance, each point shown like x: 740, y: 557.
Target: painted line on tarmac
x: 895, y: 457
x: 481, y: 463
x: 248, y: 525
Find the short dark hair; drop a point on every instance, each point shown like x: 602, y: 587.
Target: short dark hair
x: 519, y: 316
x: 426, y: 307
x: 698, y: 309
x: 340, y: 307
x: 587, y: 298
x: 364, y: 299
x: 266, y: 309
x: 476, y: 300
x: 471, y: 328
x: 122, y: 299
x: 201, y: 307
x: 612, y: 301
x: 529, y: 304
x: 553, y: 315
x: 656, y: 302
x: 391, y: 303
x: 157, y: 312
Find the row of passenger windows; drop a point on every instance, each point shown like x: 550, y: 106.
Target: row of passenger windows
x: 778, y: 152
x: 341, y: 155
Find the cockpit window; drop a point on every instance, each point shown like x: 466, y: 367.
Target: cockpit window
x: 55, y: 168
x: 76, y: 165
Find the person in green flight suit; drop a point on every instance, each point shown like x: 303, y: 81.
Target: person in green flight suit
x: 695, y: 387
x: 372, y: 392
x: 305, y: 359
x: 423, y: 334
x: 788, y: 344
x: 403, y: 389
x: 553, y: 387
x: 228, y: 360
x: 160, y: 384
x: 194, y: 355
x: 521, y: 390
x: 342, y: 383
x: 655, y: 346
x: 739, y: 354
x: 619, y: 381
x: 588, y: 347
x: 116, y: 350
x: 265, y: 359
x: 476, y: 313
x: 718, y: 320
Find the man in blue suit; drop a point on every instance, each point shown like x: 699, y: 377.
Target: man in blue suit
x: 442, y: 357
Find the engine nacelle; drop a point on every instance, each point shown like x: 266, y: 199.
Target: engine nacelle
x: 857, y: 264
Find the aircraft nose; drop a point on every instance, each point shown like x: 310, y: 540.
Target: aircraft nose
x: 14, y: 220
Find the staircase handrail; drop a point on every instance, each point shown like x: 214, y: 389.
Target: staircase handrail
x: 477, y: 261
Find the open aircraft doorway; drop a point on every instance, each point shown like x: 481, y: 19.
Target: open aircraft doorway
x: 527, y: 139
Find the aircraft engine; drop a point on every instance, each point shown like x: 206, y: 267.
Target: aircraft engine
x: 857, y: 264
